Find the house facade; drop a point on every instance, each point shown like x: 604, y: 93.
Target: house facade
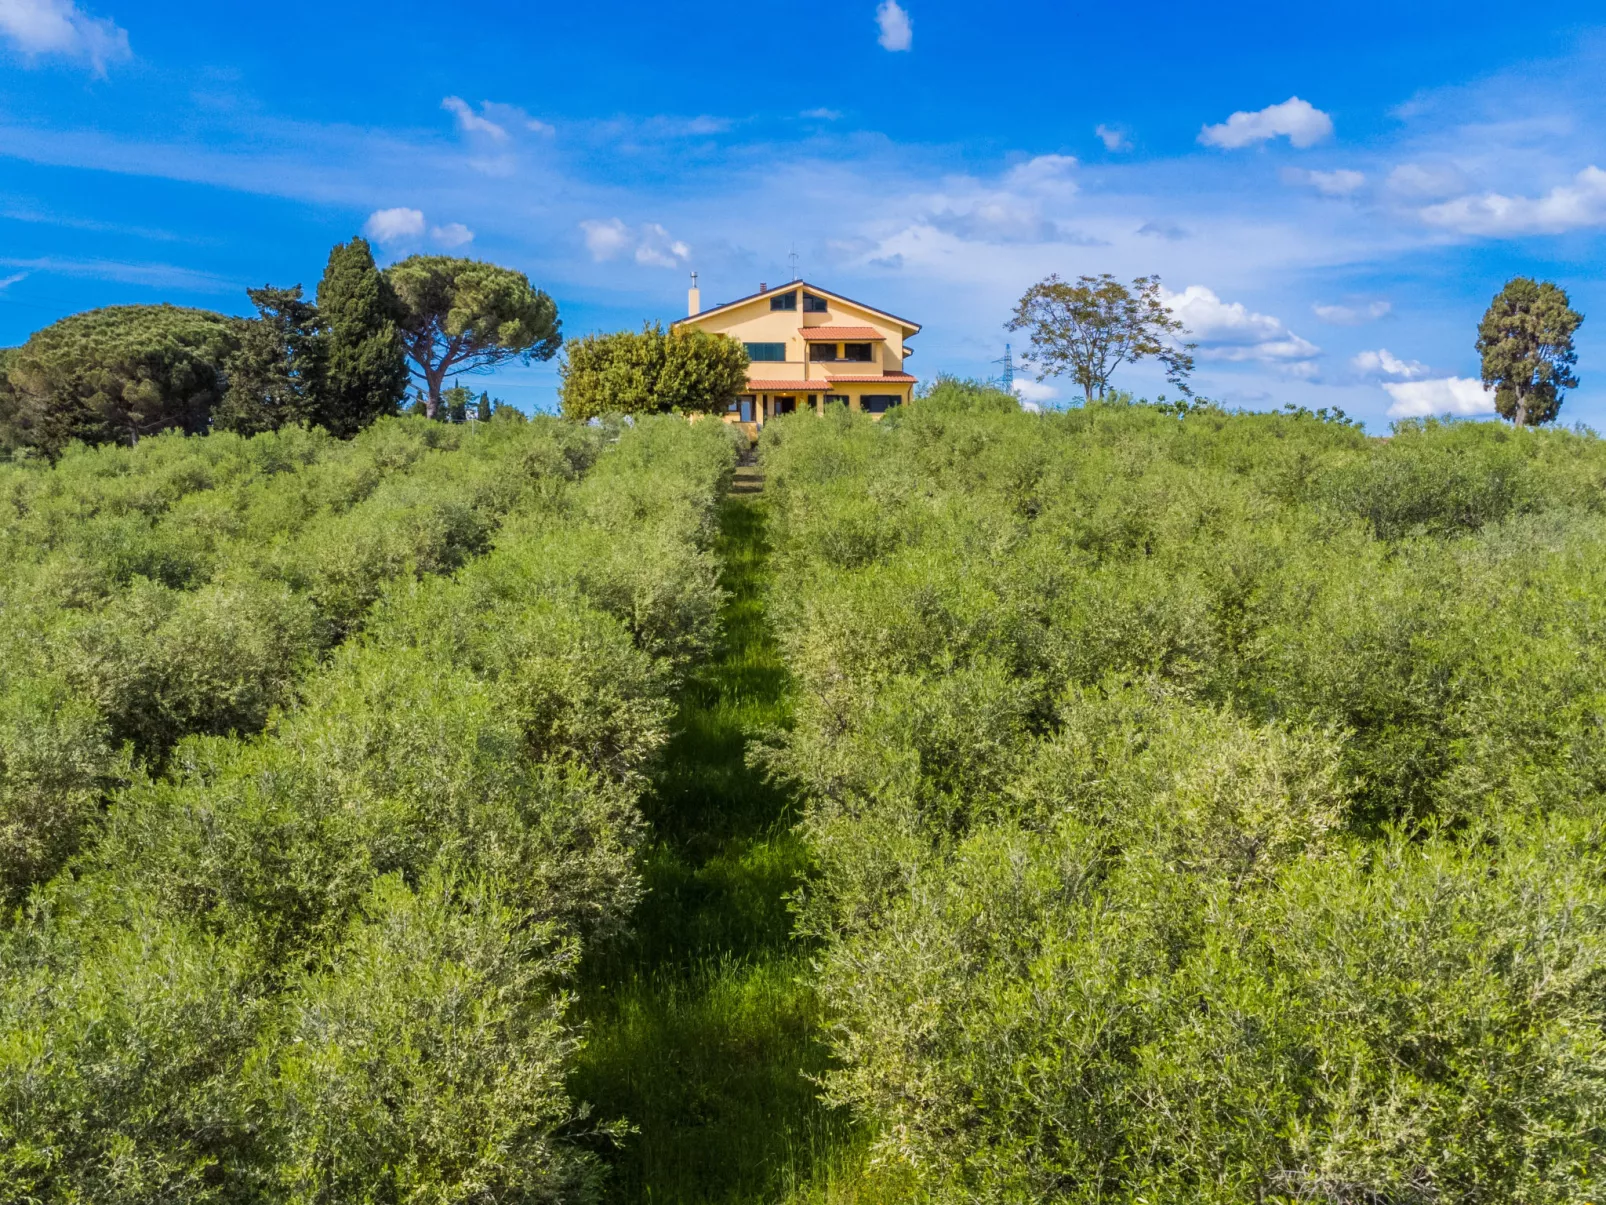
x: 809, y: 347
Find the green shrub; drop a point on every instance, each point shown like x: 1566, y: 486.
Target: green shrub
x: 1204, y: 807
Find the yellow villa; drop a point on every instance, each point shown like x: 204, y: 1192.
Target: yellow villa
x: 809, y: 347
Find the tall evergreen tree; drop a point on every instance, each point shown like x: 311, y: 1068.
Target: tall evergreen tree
x: 365, y: 369
x: 276, y: 376
x: 1526, y: 342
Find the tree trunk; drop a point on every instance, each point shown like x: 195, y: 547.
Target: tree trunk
x: 1522, y: 409
x: 432, y: 403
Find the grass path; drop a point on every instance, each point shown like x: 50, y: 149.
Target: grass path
x: 701, y: 1034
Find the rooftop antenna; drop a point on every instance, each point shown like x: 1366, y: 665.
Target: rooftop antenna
x: 1006, y: 379
x: 791, y: 258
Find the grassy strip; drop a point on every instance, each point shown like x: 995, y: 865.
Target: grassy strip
x: 702, y: 1034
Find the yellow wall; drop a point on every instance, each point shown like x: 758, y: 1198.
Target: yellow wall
x: 754, y: 322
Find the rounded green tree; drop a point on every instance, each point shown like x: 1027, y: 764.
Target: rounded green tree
x: 464, y: 315
x: 1526, y: 341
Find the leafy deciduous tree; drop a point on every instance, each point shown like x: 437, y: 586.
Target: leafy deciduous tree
x: 1090, y: 328
x: 464, y: 315
x: 1526, y: 341
x: 365, y: 364
x: 651, y: 372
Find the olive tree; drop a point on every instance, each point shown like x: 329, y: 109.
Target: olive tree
x: 464, y: 315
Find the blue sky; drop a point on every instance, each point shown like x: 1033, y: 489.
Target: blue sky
x: 1331, y: 196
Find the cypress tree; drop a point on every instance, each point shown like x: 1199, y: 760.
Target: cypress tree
x: 365, y: 373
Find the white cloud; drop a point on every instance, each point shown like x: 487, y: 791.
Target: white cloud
x: 1231, y: 331
x: 453, y: 234
x: 650, y: 245
x: 1565, y: 207
x: 1458, y: 396
x: 822, y: 114
x: 60, y: 27
x: 471, y: 122
x: 605, y: 240
x: 1299, y: 121
x: 1385, y: 363
x: 536, y: 126
x: 8, y: 281
x: 1113, y: 137
x: 394, y: 225
x: 659, y: 250
x: 897, y: 30
x: 1351, y: 315
x: 1034, y: 392
x: 1339, y: 183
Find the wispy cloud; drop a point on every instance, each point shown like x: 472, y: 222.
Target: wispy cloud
x: 1351, y: 315
x: 471, y: 122
x: 7, y: 281
x: 1341, y: 182
x: 897, y: 30
x: 1113, y: 137
x: 451, y: 235
x: 60, y: 28
x: 649, y: 244
x: 1383, y: 362
x: 156, y: 276
x: 1297, y: 120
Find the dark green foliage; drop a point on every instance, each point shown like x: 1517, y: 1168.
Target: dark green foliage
x: 328, y: 959
x: 651, y: 372
x: 187, y: 586
x: 276, y: 375
x: 119, y: 374
x: 1197, y: 800
x: 464, y: 315
x: 454, y: 404
x: 365, y: 364
x: 1526, y: 342
x: 12, y: 434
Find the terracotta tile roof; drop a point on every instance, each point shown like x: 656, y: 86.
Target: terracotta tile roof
x: 789, y: 386
x: 887, y: 378
x: 831, y: 334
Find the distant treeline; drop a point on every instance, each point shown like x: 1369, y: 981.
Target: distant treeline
x: 340, y: 361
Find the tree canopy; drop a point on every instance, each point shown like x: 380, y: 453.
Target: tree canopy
x: 1526, y: 341
x: 465, y: 315
x: 113, y: 375
x: 651, y: 371
x: 365, y: 365
x: 1090, y: 328
x: 276, y: 375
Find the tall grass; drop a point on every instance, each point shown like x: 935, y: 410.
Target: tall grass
x: 702, y: 1033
